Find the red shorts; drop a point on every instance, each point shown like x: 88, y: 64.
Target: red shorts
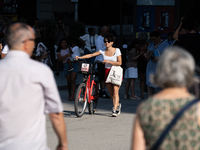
x: 107, y: 70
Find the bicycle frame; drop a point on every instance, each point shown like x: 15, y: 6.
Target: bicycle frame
x: 89, y: 88
x: 87, y: 92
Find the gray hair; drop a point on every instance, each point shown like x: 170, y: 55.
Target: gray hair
x: 16, y: 33
x: 142, y: 36
x: 175, y: 69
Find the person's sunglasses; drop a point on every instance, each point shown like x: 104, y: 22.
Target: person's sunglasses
x: 28, y: 40
x: 106, y: 41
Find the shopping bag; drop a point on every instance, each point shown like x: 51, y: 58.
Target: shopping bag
x: 115, y: 75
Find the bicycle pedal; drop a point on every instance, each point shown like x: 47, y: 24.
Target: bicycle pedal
x: 94, y: 110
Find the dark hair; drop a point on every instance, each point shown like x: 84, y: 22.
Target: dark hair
x: 155, y: 34
x: 90, y: 30
x: 133, y: 44
x: 109, y: 37
x: 60, y: 46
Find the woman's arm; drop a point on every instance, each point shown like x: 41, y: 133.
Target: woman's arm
x: 176, y: 33
x: 138, y: 141
x: 148, y: 55
x: 115, y: 63
x: 88, y: 55
x: 134, y: 58
x: 61, y: 58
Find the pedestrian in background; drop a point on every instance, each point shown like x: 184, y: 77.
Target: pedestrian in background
x: 61, y: 31
x: 27, y: 93
x: 191, y: 42
x: 101, y: 67
x: 131, y: 72
x: 42, y: 53
x: 89, y: 40
x: 64, y: 54
x: 155, y: 50
x: 142, y: 61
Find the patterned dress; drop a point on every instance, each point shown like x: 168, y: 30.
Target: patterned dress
x: 42, y: 49
x: 155, y: 115
x: 151, y: 66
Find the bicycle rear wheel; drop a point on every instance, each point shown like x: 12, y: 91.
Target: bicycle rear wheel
x: 80, y: 104
x: 93, y: 103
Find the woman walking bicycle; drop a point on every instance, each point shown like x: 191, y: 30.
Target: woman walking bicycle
x: 112, y: 57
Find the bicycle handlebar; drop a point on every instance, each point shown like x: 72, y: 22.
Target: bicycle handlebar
x: 93, y: 65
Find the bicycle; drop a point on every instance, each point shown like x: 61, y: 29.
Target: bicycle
x: 88, y: 91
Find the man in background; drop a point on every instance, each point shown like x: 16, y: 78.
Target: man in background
x: 61, y: 31
x: 101, y: 67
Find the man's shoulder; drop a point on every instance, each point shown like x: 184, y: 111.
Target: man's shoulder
x: 164, y: 43
x: 100, y: 37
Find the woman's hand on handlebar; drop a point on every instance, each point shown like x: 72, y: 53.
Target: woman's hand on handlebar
x: 76, y: 58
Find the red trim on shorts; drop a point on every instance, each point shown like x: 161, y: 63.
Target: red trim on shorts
x: 107, y: 70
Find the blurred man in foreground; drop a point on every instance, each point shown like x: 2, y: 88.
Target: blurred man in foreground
x: 27, y: 93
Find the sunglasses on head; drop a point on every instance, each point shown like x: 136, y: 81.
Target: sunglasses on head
x: 106, y: 41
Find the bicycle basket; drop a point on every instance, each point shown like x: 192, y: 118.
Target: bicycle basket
x: 85, y: 68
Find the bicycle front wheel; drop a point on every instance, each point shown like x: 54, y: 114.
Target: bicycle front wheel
x: 80, y: 103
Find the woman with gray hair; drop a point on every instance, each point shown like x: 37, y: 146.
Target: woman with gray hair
x: 175, y: 73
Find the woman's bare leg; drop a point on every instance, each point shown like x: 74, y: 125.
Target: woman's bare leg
x: 132, y: 86
x: 115, y: 96
x: 110, y: 89
x: 127, y: 85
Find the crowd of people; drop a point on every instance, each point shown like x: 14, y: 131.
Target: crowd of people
x: 170, y: 66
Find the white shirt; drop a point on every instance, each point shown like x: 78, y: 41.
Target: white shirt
x: 5, y: 49
x: 27, y: 93
x: 75, y: 51
x: 110, y: 58
x: 89, y: 40
x: 100, y: 46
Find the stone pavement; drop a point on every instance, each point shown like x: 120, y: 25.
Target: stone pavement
x: 99, y: 131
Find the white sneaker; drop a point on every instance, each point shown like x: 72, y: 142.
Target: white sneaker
x: 119, y: 109
x: 114, y: 113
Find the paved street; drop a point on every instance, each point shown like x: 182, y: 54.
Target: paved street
x: 99, y: 131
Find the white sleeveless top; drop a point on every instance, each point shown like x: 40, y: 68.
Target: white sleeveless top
x: 110, y: 58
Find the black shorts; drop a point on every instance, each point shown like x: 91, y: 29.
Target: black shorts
x: 101, y: 69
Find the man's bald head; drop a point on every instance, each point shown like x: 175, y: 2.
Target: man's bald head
x: 17, y: 33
